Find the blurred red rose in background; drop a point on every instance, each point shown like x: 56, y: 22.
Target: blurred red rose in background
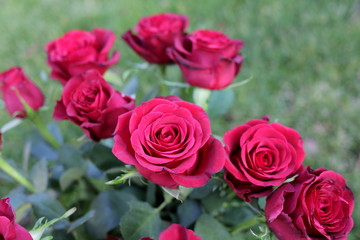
x: 155, y: 34
x: 78, y: 51
x: 14, y: 85
x: 207, y: 58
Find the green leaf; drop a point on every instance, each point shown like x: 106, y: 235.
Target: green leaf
x: 220, y: 102
x: 131, y: 86
x: 70, y: 176
x: 188, y: 212
x: 71, y: 157
x: 235, y: 215
x: 80, y: 221
x: 124, y: 177
x: 208, y: 228
x: 180, y: 193
x: 45, y: 205
x: 140, y: 221
x: 39, y: 176
x: 109, y: 207
x: 41, y: 149
x: 41, y: 225
x: 204, y: 191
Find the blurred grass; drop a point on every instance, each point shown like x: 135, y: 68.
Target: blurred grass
x: 304, y: 57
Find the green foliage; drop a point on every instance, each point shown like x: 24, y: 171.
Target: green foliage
x: 140, y: 221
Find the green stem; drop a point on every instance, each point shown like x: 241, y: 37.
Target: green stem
x: 35, y: 118
x: 168, y: 199
x: 162, y: 71
x: 12, y: 172
x: 248, y: 224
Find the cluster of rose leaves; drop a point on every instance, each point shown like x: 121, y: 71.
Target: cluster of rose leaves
x: 169, y: 141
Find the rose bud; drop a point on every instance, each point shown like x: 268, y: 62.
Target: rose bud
x: 316, y: 205
x: 9, y: 229
x: 168, y: 140
x: 207, y: 59
x: 16, y: 87
x: 155, y: 34
x: 90, y: 102
x: 176, y: 232
x: 260, y: 156
x: 78, y: 51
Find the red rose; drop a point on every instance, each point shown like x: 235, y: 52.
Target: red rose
x: 176, y: 232
x: 207, y: 59
x: 90, y: 102
x: 261, y: 155
x: 168, y: 140
x: 78, y: 51
x: 316, y: 205
x: 155, y: 34
x: 14, y: 85
x: 9, y: 229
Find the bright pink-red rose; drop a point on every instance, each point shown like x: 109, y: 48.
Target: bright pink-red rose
x: 176, y: 232
x: 316, y: 205
x: 155, y: 34
x: 168, y: 140
x: 90, y: 102
x: 78, y: 51
x: 9, y: 229
x: 207, y: 59
x: 14, y: 85
x: 260, y: 156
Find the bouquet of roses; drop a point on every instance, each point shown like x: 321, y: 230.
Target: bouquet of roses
x: 184, y: 181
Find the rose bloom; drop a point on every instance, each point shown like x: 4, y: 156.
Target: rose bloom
x: 176, y: 232
x: 90, y: 102
x: 168, y: 140
x: 14, y: 85
x: 78, y: 51
x: 260, y: 156
x: 207, y: 58
x: 155, y: 34
x: 316, y: 205
x: 9, y: 229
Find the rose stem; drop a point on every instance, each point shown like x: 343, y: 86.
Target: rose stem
x: 12, y: 172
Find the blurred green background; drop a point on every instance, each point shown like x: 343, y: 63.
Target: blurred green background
x: 304, y: 57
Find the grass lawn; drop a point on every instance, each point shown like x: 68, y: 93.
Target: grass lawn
x: 303, y: 57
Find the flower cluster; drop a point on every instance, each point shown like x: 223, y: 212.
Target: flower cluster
x: 169, y: 140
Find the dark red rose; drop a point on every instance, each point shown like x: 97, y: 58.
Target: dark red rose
x: 14, y: 85
x: 9, y: 229
x: 168, y: 140
x: 78, y: 51
x: 207, y: 59
x: 316, y: 205
x: 260, y: 156
x: 155, y: 34
x: 176, y: 232
x: 90, y: 102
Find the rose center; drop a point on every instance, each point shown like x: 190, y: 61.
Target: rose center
x: 166, y: 134
x: 264, y: 159
x: 86, y: 96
